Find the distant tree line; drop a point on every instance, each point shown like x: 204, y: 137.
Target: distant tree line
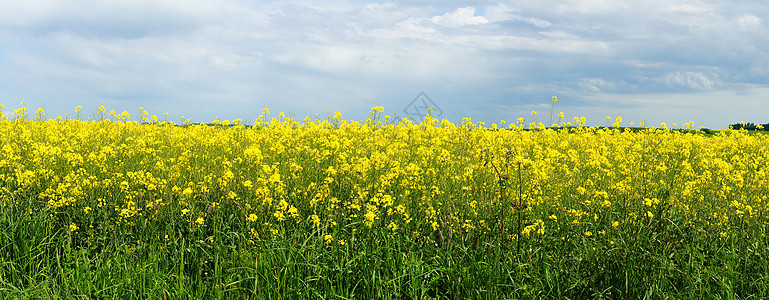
x: 750, y: 126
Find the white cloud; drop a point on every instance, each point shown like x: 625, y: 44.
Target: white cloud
x: 502, y: 12
x: 461, y: 17
x: 688, y: 8
x: 749, y: 22
x: 600, y: 85
x: 411, y: 28
x: 597, y: 85
x: 546, y: 45
x: 690, y: 80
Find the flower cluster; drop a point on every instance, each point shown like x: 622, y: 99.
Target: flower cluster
x: 339, y: 179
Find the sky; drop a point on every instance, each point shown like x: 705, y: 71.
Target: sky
x: 649, y: 61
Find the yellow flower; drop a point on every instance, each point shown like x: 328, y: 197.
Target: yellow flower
x: 615, y: 224
x: 648, y: 202
x: 73, y: 227
x: 328, y: 239
x: 588, y: 233
x: 252, y: 218
x: 200, y: 221
x: 315, y: 220
x: 279, y: 215
x: 392, y: 226
x: 370, y: 217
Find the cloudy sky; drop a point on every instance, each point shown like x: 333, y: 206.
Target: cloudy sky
x: 657, y: 60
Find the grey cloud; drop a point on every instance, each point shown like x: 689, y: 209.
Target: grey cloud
x: 494, y: 53
x: 106, y: 19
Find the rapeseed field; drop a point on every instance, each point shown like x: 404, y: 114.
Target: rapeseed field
x: 383, y: 208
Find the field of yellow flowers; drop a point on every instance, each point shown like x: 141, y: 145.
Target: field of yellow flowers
x: 382, y: 208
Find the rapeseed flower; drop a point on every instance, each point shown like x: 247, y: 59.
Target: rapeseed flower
x: 414, y: 180
x: 252, y: 218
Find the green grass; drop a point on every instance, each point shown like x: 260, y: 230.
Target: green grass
x: 659, y: 260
